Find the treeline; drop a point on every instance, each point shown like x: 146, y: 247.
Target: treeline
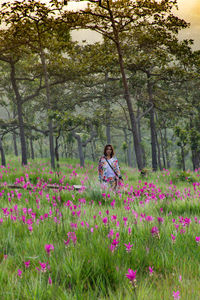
x: 139, y: 88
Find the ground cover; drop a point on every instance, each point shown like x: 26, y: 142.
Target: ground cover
x: 96, y: 244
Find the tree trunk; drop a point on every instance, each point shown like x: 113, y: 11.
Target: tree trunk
x: 128, y: 150
x: 152, y: 125
x: 70, y: 149
x: 92, y: 150
x: 125, y: 150
x: 162, y: 147
x: 27, y: 148
x: 166, y: 149
x: 50, y: 126
x: 80, y: 151
x: 56, y: 151
x: 32, y: 148
x: 56, y: 148
x: 134, y: 159
x: 15, y: 144
x: 108, y: 136
x: 153, y: 141
x: 140, y: 139
x: 3, y: 159
x: 40, y: 142
x: 138, y: 150
x: 159, y: 155
x: 14, y: 135
x: 183, y: 158
x: 108, y: 115
x: 195, y: 159
x: 19, y: 113
x: 64, y: 147
x: 130, y: 163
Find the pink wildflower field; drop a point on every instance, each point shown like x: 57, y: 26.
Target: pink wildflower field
x: 65, y: 237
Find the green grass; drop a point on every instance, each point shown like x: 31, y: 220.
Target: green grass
x: 88, y: 269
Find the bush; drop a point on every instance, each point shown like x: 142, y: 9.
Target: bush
x: 186, y: 176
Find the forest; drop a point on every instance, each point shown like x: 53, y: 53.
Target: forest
x: 137, y: 89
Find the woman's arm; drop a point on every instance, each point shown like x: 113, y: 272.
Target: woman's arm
x: 116, y: 166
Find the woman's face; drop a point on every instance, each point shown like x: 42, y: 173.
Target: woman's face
x: 108, y: 151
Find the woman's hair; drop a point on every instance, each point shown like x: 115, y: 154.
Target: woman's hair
x: 112, y: 153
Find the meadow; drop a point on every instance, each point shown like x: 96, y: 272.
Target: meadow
x: 91, y: 243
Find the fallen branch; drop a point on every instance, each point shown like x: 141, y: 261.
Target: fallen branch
x: 48, y: 186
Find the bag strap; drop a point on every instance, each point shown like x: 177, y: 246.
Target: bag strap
x: 111, y: 167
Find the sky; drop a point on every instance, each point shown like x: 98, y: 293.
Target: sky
x: 189, y: 10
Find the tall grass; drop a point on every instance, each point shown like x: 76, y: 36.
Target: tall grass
x: 88, y: 267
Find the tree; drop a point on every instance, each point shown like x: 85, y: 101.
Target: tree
x: 183, y: 139
x: 113, y: 19
x: 34, y: 27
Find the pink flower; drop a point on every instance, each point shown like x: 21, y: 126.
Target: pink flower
x: 49, y: 248
x: 27, y: 263
x: 87, y: 224
x: 30, y: 228
x: 160, y: 220
x: 131, y: 275
x: 187, y: 221
x: 150, y: 271
x: 112, y: 247
x: 115, y: 242
x: 112, y: 203
x: 155, y: 231
x: 66, y: 242
x: 50, y: 281
x: 117, y: 235
x: 19, y: 273
x: 111, y: 233
x: 197, y: 239
x: 43, y: 266
x: 176, y: 295
x: 105, y: 220
x: 74, y: 225
x: 128, y: 247
x: 113, y: 218
x: 149, y: 218
x: 173, y: 238
x: 71, y: 237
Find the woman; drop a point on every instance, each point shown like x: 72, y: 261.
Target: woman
x: 108, y: 168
